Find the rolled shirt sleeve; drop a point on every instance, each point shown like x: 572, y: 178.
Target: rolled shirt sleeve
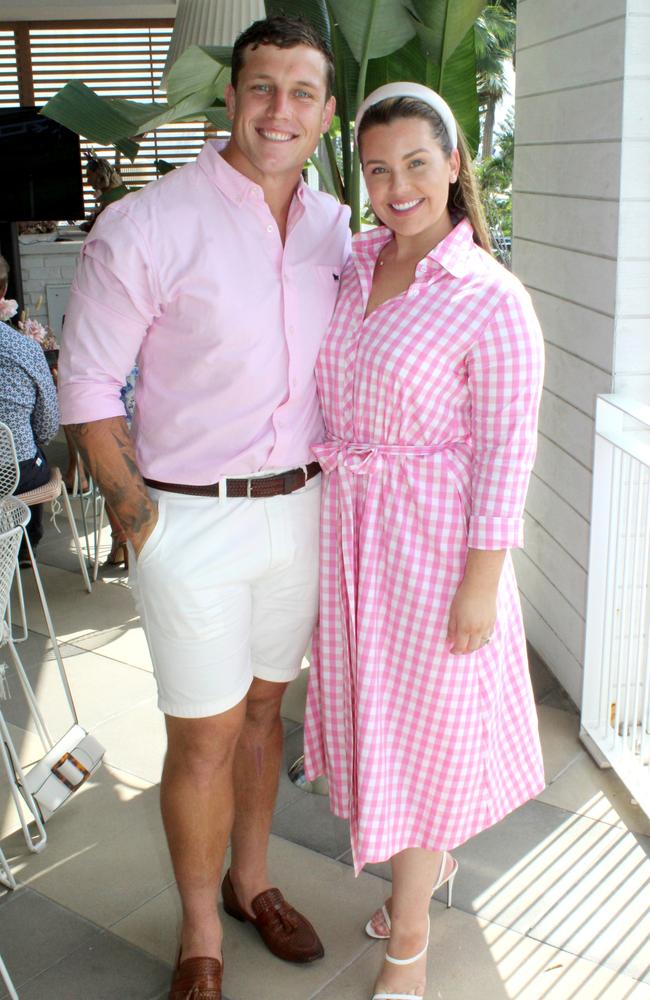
x: 113, y: 302
x: 505, y: 370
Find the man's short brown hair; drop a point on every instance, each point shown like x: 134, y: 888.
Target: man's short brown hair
x: 284, y: 33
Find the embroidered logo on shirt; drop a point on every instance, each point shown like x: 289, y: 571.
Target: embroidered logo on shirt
x: 335, y: 276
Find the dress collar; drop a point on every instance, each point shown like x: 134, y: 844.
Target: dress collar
x: 454, y: 253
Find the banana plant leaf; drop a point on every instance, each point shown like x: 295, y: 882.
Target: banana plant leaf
x: 443, y: 24
x: 196, y: 84
x: 199, y: 69
x: 193, y: 108
x: 218, y: 116
x: 314, y: 11
x: 347, y: 73
x: 458, y: 87
x: 78, y: 108
x: 373, y: 28
x: 440, y: 57
x: 408, y: 63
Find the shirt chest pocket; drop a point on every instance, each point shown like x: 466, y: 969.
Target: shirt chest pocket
x: 317, y: 287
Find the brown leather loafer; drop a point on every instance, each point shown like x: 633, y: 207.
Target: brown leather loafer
x: 284, y: 931
x: 197, y: 979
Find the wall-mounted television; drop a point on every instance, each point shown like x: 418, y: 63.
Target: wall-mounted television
x: 40, y: 168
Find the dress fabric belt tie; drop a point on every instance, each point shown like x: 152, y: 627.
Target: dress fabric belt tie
x: 348, y: 459
x: 363, y: 459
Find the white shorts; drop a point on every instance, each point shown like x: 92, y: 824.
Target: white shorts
x: 227, y: 590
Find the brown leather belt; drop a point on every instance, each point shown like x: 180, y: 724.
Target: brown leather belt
x: 257, y: 486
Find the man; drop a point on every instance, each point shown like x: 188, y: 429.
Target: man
x: 222, y: 278
x: 29, y: 407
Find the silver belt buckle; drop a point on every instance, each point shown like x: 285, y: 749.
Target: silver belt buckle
x: 249, y: 483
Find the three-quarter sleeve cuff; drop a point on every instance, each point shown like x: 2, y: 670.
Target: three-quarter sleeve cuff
x: 495, y: 532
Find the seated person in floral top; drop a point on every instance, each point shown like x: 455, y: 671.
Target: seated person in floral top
x: 29, y: 406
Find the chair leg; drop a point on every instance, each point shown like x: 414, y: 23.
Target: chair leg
x: 4, y: 973
x: 41, y: 725
x: 6, y: 875
x: 50, y: 624
x: 21, y: 607
x: 83, y: 507
x: 102, y: 511
x: 21, y: 795
x: 75, y: 535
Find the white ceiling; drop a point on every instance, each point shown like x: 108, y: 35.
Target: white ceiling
x: 66, y: 10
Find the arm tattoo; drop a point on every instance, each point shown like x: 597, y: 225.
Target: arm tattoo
x: 107, y: 450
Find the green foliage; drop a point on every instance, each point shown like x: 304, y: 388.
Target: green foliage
x: 374, y: 42
x: 495, y: 180
x: 495, y: 45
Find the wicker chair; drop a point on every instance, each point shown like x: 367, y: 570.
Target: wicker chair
x: 16, y: 508
x: 9, y: 545
x: 47, y: 493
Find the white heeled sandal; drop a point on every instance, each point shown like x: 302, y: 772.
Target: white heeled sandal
x: 371, y: 932
x: 404, y: 961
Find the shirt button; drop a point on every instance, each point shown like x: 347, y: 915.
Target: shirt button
x: 269, y: 229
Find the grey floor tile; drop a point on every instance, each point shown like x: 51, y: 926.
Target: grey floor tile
x: 126, y: 643
x: 470, y: 959
x: 558, y: 698
x: 309, y: 822
x: 591, y: 791
x: 36, y: 933
x: 102, y: 690
x: 542, y: 679
x: 289, y: 726
x: 106, y: 968
x: 74, y: 612
x: 36, y: 650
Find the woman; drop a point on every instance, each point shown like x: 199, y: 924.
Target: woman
x: 420, y: 708
x: 29, y: 407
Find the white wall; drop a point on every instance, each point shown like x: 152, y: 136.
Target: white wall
x: 632, y: 333
x: 581, y: 209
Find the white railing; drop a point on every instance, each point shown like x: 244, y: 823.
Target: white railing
x: 615, y: 723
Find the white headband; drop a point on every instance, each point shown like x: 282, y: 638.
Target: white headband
x: 420, y: 93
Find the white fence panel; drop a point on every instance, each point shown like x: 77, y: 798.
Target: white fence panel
x: 615, y: 723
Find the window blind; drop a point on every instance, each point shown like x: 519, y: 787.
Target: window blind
x: 9, y: 96
x: 124, y: 59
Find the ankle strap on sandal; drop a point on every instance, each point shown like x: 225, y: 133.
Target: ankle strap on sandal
x: 410, y: 961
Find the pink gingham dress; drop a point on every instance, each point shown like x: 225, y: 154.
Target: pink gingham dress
x: 430, y: 407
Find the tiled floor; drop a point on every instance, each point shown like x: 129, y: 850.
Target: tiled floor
x: 552, y: 903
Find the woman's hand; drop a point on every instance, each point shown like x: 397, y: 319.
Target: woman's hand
x: 471, y: 618
x: 473, y: 610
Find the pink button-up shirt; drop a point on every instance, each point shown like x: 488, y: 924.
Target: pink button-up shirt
x: 190, y: 277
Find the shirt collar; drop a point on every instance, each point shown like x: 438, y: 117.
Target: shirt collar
x: 453, y: 253
x: 231, y: 182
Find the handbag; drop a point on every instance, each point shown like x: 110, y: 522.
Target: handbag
x: 63, y: 770
x: 66, y: 765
